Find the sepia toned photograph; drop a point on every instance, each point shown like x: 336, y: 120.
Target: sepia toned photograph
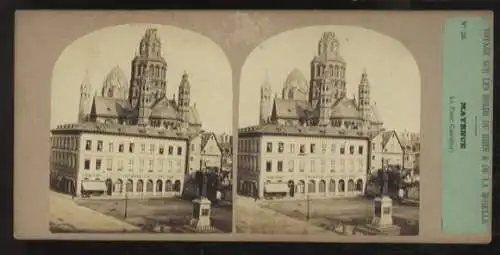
x: 252, y: 126
x: 329, y: 135
x: 141, y: 133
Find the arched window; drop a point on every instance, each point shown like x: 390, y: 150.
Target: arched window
x: 350, y: 185
x: 341, y: 186
x: 311, y: 186
x: 322, y: 186
x: 129, y: 187
x: 118, y: 186
x: 359, y: 185
x: 177, y: 186
x: 168, y: 186
x: 331, y: 186
x: 140, y: 186
x: 301, y: 187
x: 330, y: 68
x: 159, y: 186
x: 149, y: 186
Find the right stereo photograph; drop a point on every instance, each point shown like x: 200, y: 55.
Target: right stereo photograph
x: 329, y: 135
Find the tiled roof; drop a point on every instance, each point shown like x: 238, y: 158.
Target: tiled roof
x: 205, y: 137
x: 386, y: 136
x: 165, y: 109
x: 290, y: 109
x: 110, y: 107
x: 194, y: 117
x: 284, y: 130
x: 118, y: 129
x: 345, y: 108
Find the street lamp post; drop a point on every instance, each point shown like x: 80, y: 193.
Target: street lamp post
x: 126, y: 204
x: 307, y: 207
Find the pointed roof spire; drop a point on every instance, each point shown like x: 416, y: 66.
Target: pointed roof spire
x: 86, y: 80
x: 364, y: 78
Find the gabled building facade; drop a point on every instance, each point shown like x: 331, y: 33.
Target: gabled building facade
x: 396, y: 150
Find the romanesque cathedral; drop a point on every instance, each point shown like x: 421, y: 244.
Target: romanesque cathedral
x: 143, y: 100
x: 322, y: 101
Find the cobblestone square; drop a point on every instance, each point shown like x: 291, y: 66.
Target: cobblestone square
x: 328, y: 213
x: 147, y: 214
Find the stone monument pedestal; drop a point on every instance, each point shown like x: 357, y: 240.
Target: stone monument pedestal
x: 200, y: 221
x: 381, y: 223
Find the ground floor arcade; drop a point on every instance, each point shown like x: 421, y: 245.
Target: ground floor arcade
x: 301, y: 188
x: 119, y: 187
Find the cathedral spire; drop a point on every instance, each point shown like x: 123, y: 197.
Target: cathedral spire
x: 85, y: 97
x: 364, y: 97
x: 265, y: 100
x: 85, y: 85
x: 184, y: 97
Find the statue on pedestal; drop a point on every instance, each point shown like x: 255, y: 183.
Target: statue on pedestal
x: 384, y: 183
x: 201, y: 219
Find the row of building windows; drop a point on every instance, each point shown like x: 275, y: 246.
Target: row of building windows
x: 70, y: 161
x: 321, y: 187
x: 66, y: 143
x: 253, y: 146
x: 160, y: 166
x: 139, y: 186
x: 251, y: 163
x: 131, y: 148
x: 71, y: 143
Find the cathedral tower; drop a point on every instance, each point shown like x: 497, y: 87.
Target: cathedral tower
x: 265, y: 101
x: 149, y: 74
x: 184, y: 97
x: 327, y: 66
x: 364, y: 97
x: 85, y: 99
x: 325, y: 102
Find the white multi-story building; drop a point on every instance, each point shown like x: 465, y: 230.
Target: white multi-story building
x: 301, y: 161
x: 117, y: 160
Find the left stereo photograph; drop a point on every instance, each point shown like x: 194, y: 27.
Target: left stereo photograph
x: 139, y: 139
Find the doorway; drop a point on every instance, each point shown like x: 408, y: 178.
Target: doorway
x: 291, y: 188
x: 109, y: 187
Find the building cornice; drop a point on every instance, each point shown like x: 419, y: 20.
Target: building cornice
x: 120, y: 130
x: 295, y: 131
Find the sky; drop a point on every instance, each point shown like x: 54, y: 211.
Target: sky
x: 98, y: 52
x: 392, y: 71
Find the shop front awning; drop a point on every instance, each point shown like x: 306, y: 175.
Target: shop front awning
x: 276, y: 188
x: 94, y: 186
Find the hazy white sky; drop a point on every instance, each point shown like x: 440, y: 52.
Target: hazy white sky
x: 392, y: 71
x: 98, y: 52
